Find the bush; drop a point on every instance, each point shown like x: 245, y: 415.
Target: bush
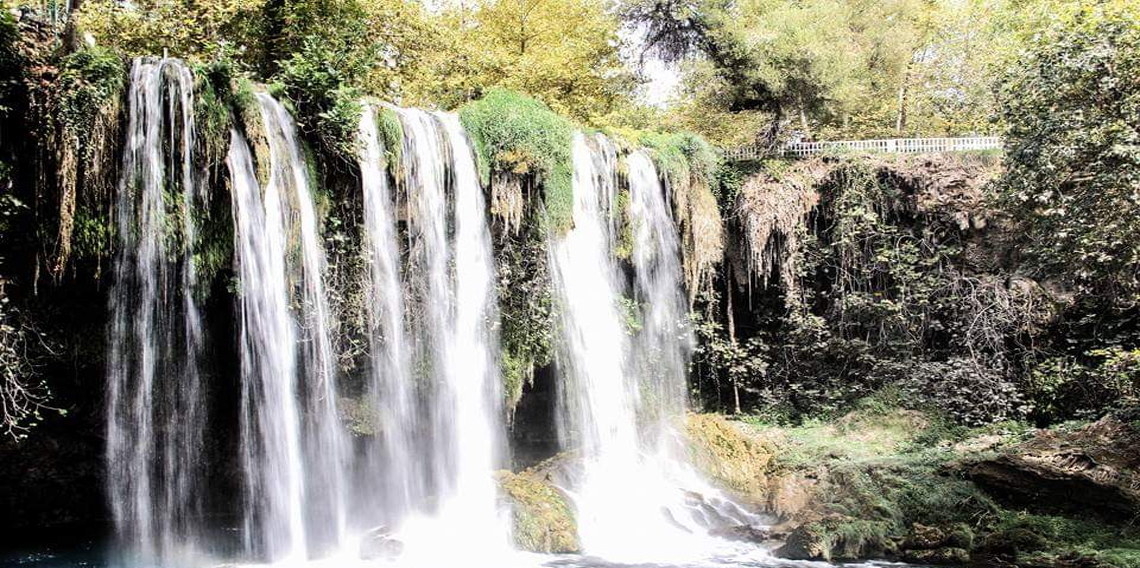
x: 10, y: 63
x: 89, y: 79
x: 516, y: 134
x: 1066, y: 387
x: 1072, y: 161
x: 322, y: 90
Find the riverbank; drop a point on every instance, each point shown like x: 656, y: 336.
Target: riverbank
x: 882, y: 482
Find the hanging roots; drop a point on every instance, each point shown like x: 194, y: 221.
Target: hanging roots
x: 772, y: 216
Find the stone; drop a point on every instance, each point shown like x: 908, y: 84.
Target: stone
x: 803, y: 543
x: 379, y: 544
x: 1095, y: 469
x: 945, y: 555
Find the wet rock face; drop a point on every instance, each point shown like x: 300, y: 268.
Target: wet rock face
x: 541, y: 515
x: 1095, y: 469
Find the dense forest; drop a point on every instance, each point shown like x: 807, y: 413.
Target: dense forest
x: 930, y: 357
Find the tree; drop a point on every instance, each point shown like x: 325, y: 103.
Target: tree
x: 1072, y: 110
x: 818, y: 62
x: 563, y: 52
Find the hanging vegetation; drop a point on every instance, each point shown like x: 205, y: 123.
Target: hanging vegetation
x: 518, y: 137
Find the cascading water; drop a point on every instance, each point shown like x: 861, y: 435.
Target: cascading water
x: 325, y: 445
x: 451, y: 279
x: 394, y: 474
x: 433, y: 382
x: 295, y: 454
x: 662, y: 347
x: 155, y: 410
x: 270, y: 425
x: 623, y: 389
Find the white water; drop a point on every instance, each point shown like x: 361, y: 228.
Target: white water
x: 454, y: 308
x: 154, y: 411
x: 622, y: 395
x: 392, y: 489
x: 433, y: 383
x: 325, y: 444
x: 270, y: 426
x: 664, y: 344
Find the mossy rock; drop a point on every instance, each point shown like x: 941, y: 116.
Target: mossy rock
x: 542, y: 518
x: 838, y: 537
x: 724, y: 453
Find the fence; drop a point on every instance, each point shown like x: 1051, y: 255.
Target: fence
x: 889, y: 146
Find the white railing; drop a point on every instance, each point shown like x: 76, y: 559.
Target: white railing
x: 888, y: 146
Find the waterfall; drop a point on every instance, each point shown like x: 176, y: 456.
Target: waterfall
x: 473, y: 374
x: 393, y: 473
x: 325, y: 445
x: 155, y: 413
x: 597, y: 400
x: 664, y: 344
x: 624, y: 361
x: 270, y: 425
x: 450, y: 279
x: 294, y: 450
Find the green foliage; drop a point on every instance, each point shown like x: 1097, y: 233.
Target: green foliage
x: 1046, y: 537
x: 516, y: 134
x: 526, y: 310
x: 391, y: 132
x: 320, y: 80
x: 213, y: 99
x: 185, y: 28
x: 1073, y: 164
x: 89, y: 80
x: 1066, y: 387
x: 10, y: 61
x: 680, y: 155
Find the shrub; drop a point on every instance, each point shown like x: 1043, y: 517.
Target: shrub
x: 516, y: 134
x: 89, y: 79
x: 322, y: 89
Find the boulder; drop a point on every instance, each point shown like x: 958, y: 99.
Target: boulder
x: 804, y: 543
x: 542, y: 517
x: 379, y: 544
x: 1092, y: 469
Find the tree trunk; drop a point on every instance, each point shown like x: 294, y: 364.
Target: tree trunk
x: 904, y: 91
x: 731, y: 324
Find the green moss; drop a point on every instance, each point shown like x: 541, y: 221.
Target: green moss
x: 392, y: 137
x: 623, y: 247
x: 91, y: 236
x: 682, y: 154
x: 724, y: 453
x: 542, y: 518
x: 517, y: 134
